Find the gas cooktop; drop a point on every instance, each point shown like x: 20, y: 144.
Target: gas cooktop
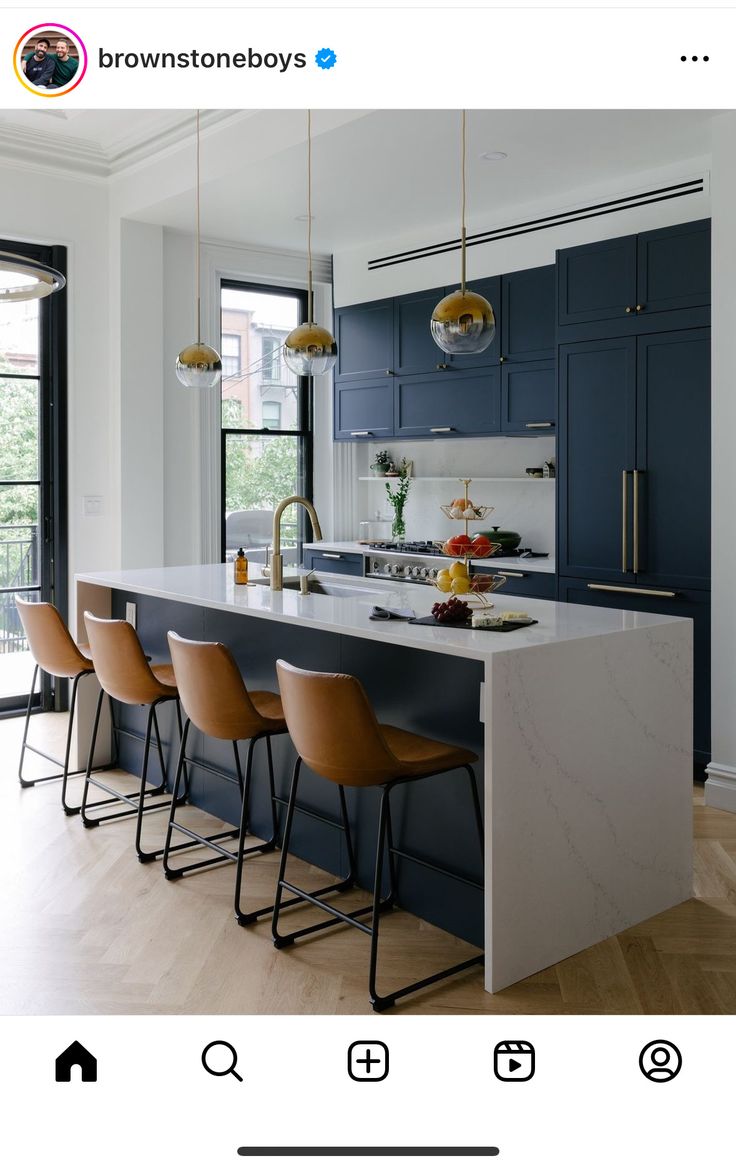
x: 434, y: 549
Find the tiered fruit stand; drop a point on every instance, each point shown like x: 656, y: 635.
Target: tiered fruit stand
x: 475, y: 588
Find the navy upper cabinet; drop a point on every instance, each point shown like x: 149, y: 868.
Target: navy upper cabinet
x: 672, y: 539
x: 365, y: 340
x: 528, y: 315
x: 596, y: 450
x: 490, y: 288
x: 364, y: 410
x: 597, y: 281
x: 456, y: 404
x: 528, y: 398
x: 415, y: 350
x: 674, y: 268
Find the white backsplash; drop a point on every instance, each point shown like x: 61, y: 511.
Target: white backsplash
x: 528, y: 507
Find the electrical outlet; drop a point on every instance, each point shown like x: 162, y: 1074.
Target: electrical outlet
x: 92, y: 505
x: 131, y: 613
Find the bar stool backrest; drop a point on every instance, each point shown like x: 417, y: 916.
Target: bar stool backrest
x: 120, y: 662
x: 212, y: 690
x: 52, y: 646
x: 334, y: 727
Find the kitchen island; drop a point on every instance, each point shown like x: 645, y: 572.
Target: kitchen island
x: 583, y: 725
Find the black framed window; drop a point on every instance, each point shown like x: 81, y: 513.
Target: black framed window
x: 32, y: 470
x: 266, y: 420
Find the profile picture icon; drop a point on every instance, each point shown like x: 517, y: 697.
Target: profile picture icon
x: 50, y: 60
x: 660, y: 1061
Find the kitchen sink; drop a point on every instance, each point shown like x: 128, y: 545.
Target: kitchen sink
x: 333, y: 589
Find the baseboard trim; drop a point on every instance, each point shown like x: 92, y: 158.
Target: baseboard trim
x: 720, y: 787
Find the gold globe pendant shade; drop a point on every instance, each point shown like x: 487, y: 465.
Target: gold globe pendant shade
x: 310, y: 350
x: 463, y: 322
x: 22, y: 279
x: 198, y: 366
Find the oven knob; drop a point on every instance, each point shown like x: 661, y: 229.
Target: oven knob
x: 432, y: 574
x: 395, y: 569
x: 416, y: 571
x: 424, y: 572
x: 407, y: 571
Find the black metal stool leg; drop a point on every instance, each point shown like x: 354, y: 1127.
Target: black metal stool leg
x: 477, y: 810
x: 174, y: 796
x: 379, y: 1003
x: 68, y: 748
x: 27, y: 784
x: 280, y: 940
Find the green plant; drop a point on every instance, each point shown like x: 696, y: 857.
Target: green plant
x: 397, y: 500
x: 383, y: 459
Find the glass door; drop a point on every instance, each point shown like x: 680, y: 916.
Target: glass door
x: 29, y: 477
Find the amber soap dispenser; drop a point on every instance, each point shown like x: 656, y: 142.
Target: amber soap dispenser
x: 241, y: 568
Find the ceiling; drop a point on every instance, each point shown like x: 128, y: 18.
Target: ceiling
x: 377, y: 174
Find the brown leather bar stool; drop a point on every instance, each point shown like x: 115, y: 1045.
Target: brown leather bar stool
x: 55, y: 652
x: 336, y: 733
x: 218, y: 703
x: 125, y: 675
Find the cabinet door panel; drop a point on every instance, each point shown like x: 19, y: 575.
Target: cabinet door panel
x: 673, y: 452
x: 596, y: 427
x: 528, y: 315
x: 365, y: 340
x: 522, y: 584
x: 596, y: 281
x: 528, y: 398
x: 364, y: 409
x: 453, y: 404
x: 686, y: 604
x: 674, y: 268
x: 327, y: 562
x: 490, y: 288
x: 415, y: 350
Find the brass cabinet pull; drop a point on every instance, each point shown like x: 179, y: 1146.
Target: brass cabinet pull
x: 332, y: 556
x: 502, y: 359
x: 629, y: 309
x: 441, y: 430
x: 441, y: 366
x: 361, y: 432
x: 512, y: 573
x: 636, y: 520
x: 389, y: 371
x: 537, y: 426
x: 624, y: 521
x: 612, y: 589
x: 640, y: 308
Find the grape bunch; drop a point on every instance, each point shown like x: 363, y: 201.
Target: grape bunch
x: 453, y: 610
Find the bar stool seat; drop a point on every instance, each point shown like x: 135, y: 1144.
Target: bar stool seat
x: 218, y: 703
x: 126, y: 675
x: 336, y: 733
x: 55, y: 652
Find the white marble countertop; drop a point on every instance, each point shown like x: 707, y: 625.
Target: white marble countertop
x: 212, y: 586
x: 525, y: 564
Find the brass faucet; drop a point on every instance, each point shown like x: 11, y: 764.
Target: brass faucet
x: 277, y: 560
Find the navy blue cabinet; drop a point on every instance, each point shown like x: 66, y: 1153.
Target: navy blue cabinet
x: 490, y: 288
x: 415, y: 350
x: 679, y: 603
x: 633, y: 277
x: 454, y: 404
x: 528, y: 398
x: 328, y: 561
x: 522, y: 583
x: 365, y: 340
x: 528, y: 315
x: 364, y: 410
x: 595, y: 455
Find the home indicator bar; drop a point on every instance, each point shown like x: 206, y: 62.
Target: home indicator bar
x: 349, y: 1152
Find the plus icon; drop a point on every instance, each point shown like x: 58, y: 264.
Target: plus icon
x: 368, y: 1061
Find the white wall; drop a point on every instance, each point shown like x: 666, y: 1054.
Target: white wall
x: 720, y: 787
x: 58, y: 210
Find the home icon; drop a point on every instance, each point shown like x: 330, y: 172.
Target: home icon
x: 76, y: 1054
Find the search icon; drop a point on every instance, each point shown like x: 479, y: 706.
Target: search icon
x: 232, y: 1060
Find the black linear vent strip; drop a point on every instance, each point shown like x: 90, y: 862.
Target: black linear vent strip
x: 657, y: 195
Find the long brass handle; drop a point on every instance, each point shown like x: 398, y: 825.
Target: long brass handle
x: 624, y: 521
x: 512, y: 573
x: 533, y: 426
x: 612, y: 589
x: 636, y: 520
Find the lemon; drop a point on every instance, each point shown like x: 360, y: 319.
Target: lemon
x: 460, y: 584
x: 444, y: 581
x: 457, y: 569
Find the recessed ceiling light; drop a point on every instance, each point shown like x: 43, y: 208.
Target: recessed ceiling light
x: 494, y: 156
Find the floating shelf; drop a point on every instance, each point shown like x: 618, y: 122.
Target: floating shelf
x: 456, y: 479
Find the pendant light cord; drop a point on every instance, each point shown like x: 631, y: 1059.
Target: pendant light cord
x: 462, y: 213
x: 197, y: 263
x: 310, y: 295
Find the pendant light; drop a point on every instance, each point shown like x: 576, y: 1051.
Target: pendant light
x: 309, y: 349
x: 198, y: 365
x: 22, y: 279
x: 463, y: 322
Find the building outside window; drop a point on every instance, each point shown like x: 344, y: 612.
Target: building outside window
x: 271, y: 349
x: 271, y: 416
x: 230, y: 354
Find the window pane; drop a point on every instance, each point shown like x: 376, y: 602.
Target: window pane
x: 19, y: 337
x: 19, y: 538
x: 18, y: 429
x: 254, y: 375
x: 259, y: 472
x: 16, y: 664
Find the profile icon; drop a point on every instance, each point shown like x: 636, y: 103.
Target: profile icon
x: 660, y: 1061
x: 50, y: 60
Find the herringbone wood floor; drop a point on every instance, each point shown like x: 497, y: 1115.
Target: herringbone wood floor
x: 86, y: 929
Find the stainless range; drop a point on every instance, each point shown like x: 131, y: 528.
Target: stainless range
x: 418, y: 561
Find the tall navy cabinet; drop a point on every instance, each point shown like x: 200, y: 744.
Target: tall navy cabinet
x: 634, y: 434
